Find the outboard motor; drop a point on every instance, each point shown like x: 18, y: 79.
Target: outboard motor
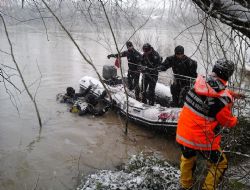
x: 109, y: 72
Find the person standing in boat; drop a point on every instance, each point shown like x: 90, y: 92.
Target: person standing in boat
x: 151, y: 60
x: 206, y: 111
x: 134, y: 58
x: 185, y: 71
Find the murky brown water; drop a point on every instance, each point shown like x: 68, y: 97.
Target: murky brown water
x: 68, y: 145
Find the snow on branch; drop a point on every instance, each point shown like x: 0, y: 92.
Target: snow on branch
x: 235, y: 13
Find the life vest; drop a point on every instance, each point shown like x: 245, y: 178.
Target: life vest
x: 204, y: 110
x: 79, y: 106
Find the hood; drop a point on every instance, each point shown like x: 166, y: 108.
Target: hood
x: 212, y: 87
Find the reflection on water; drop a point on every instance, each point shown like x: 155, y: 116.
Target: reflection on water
x: 68, y: 145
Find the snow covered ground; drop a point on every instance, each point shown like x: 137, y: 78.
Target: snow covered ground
x: 139, y: 173
x: 143, y: 172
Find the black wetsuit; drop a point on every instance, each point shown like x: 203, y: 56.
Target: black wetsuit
x: 71, y: 98
x: 150, y: 62
x: 134, y: 61
x: 185, y: 71
x: 87, y: 106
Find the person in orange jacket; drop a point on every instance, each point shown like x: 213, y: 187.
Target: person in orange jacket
x: 206, y: 111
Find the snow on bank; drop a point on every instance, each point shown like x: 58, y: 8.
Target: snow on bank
x: 139, y: 173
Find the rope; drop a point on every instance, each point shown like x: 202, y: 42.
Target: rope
x: 183, y: 77
x: 155, y: 69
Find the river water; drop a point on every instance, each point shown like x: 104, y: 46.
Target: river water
x: 68, y: 146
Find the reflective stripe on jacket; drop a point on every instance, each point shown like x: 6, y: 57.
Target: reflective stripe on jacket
x: 204, y: 110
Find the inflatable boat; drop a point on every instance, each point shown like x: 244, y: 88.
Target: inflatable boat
x: 157, y: 116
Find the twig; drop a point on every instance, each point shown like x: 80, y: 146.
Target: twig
x: 6, y: 79
x: 4, y: 52
x: 36, y: 184
x: 20, y: 73
x: 78, y: 48
x: 39, y: 81
x: 13, y: 100
x: 118, y: 51
x: 42, y: 19
x: 238, y: 153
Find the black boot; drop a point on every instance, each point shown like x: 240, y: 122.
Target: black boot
x: 144, y: 100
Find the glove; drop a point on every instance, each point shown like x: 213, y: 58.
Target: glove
x: 89, y: 88
x: 104, y: 93
x: 74, y: 109
x: 106, y: 108
x: 237, y: 95
x: 110, y: 55
x: 143, y: 69
x: 161, y: 68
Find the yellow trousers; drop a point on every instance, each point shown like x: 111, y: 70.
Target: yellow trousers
x: 215, y: 172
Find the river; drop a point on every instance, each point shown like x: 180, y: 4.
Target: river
x: 68, y: 146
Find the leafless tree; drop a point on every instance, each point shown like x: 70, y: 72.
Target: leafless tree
x: 33, y: 98
x: 224, y: 30
x: 235, y: 13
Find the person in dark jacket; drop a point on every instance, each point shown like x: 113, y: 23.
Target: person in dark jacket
x: 185, y: 72
x: 134, y: 61
x: 151, y: 60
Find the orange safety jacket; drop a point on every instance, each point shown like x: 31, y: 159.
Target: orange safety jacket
x: 204, y: 110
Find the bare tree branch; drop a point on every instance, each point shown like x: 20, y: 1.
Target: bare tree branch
x: 9, y: 81
x: 234, y: 13
x: 118, y: 51
x: 78, y: 48
x: 42, y: 19
x: 20, y: 73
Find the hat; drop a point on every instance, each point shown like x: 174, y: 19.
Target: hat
x: 146, y: 47
x: 223, y: 68
x: 129, y: 44
x: 70, y: 91
x: 179, y: 50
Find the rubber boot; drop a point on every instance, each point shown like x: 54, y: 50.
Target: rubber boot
x: 187, y: 167
x: 215, y: 173
x: 144, y: 98
x: 137, y: 92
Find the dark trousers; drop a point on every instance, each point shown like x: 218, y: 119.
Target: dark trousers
x: 179, y: 90
x: 149, y: 84
x: 133, y: 82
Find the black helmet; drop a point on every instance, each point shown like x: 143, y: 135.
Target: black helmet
x: 179, y: 50
x: 223, y: 68
x: 146, y: 47
x: 70, y: 91
x: 129, y: 44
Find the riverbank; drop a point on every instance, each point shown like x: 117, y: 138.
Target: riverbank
x: 143, y: 172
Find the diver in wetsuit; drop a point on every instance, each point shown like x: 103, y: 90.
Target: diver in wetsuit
x: 86, y: 105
